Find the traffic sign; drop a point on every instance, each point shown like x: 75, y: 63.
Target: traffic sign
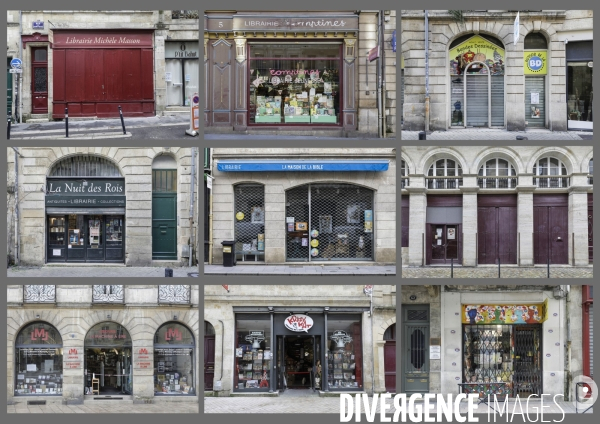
x: 16, y: 71
x: 16, y: 63
x: 194, y: 115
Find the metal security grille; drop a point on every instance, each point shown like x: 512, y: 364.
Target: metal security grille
x: 528, y: 360
x: 535, y: 113
x: 477, y: 100
x: 417, y: 315
x: 497, y: 100
x: 335, y: 219
x: 418, y: 346
x: 457, y: 99
x: 591, y: 324
x: 249, y: 218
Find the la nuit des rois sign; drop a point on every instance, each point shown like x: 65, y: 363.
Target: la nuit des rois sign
x: 85, y: 193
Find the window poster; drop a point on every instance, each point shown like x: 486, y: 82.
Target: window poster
x: 451, y: 233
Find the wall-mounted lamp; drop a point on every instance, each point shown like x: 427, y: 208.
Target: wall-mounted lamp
x: 326, y: 308
x: 37, y: 316
x: 174, y: 317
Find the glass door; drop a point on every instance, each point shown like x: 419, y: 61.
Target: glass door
x: 281, y: 382
x: 56, y: 239
x: 76, y: 237
x: 444, y: 243
x: 114, y: 225
x: 579, y: 95
x: 94, y: 242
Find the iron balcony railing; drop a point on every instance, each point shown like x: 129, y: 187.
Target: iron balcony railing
x: 404, y: 182
x: 185, y: 14
x: 174, y: 294
x: 39, y: 294
x: 444, y: 183
x: 551, y: 181
x: 108, y: 294
x: 507, y: 182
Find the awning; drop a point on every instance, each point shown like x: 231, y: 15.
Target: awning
x: 304, y: 165
x: 85, y: 211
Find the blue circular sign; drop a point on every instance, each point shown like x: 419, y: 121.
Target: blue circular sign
x: 196, y: 99
x: 535, y: 63
x: 16, y: 63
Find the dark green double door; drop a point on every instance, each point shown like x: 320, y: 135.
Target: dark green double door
x: 164, y: 226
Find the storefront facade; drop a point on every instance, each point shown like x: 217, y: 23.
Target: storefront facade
x: 108, y: 350
x: 530, y: 206
x: 281, y: 209
x: 94, y: 208
x: 484, y: 80
x: 293, y: 72
x: 300, y: 344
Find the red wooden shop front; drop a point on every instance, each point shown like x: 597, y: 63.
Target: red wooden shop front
x: 95, y: 72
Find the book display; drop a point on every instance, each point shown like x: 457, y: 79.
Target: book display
x: 342, y: 367
x: 39, y: 372
x: 253, y: 368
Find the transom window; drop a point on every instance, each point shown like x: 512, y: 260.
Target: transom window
x: 548, y: 168
x: 496, y: 173
x: 404, y: 174
x: 441, y: 174
x: 84, y: 166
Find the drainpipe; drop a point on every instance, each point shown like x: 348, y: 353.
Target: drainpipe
x: 192, y: 204
x: 379, y: 77
x: 20, y: 76
x: 381, y: 38
x: 372, y: 345
x: 17, y: 235
x: 210, y: 217
x: 223, y: 351
x: 426, y: 71
x: 568, y: 373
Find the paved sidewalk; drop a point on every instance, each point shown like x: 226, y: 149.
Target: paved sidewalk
x: 505, y: 272
x: 104, y: 408
x: 326, y: 270
x: 100, y: 271
x: 499, y: 134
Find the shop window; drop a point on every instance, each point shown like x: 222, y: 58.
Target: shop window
x: 344, y: 341
x: 294, y: 83
x: 253, y: 352
x: 249, y: 217
x: 84, y: 166
x: 591, y: 172
x: 546, y: 171
x: 496, y: 173
x: 579, y: 92
x: 442, y: 174
x: 174, y: 363
x: 38, y: 361
x: 404, y: 174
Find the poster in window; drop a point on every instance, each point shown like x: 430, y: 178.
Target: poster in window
x: 353, y: 214
x: 451, y: 233
x: 327, y: 87
x: 258, y: 215
x: 535, y: 111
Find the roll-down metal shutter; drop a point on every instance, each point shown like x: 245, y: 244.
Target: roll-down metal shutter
x: 497, y: 100
x: 457, y: 99
x: 477, y: 100
x: 591, y: 324
x: 535, y: 85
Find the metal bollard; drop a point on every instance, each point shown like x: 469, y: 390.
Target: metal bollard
x: 168, y: 272
x: 8, y: 127
x: 548, y: 266
x: 498, y: 267
x: 67, y: 121
x: 123, y: 123
x: 522, y: 137
x: 451, y: 267
x: 422, y: 135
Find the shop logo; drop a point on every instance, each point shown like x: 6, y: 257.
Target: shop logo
x: 39, y: 334
x: 72, y: 351
x: 143, y: 351
x: 173, y: 334
x: 298, y: 323
x: 535, y: 63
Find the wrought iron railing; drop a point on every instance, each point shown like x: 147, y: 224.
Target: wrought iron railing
x: 591, y: 179
x: 108, y: 294
x: 39, y: 294
x: 443, y: 183
x: 551, y: 181
x: 185, y: 14
x: 497, y: 182
x: 174, y: 294
x: 404, y: 182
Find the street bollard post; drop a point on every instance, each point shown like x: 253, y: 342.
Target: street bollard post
x: 451, y: 267
x: 122, y: 121
x: 8, y: 128
x: 422, y: 135
x: 168, y: 272
x: 67, y: 121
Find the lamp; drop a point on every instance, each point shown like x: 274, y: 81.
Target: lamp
x: 174, y: 317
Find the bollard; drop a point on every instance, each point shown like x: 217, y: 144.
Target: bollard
x: 522, y: 137
x: 422, y: 135
x: 67, y: 121
x: 498, y: 267
x: 123, y: 123
x: 8, y: 128
x: 168, y: 272
x: 451, y: 267
x: 548, y: 266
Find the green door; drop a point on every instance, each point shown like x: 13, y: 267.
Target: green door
x: 9, y: 94
x: 164, y: 214
x: 415, y: 352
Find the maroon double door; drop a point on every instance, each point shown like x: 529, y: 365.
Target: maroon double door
x: 209, y: 361
x: 497, y: 229
x: 389, y: 359
x: 550, y: 228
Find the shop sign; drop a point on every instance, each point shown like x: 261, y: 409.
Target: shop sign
x: 435, y: 352
x: 261, y: 23
x: 505, y: 314
x: 90, y: 193
x: 73, y: 358
x: 173, y: 334
x: 477, y: 49
x: 173, y: 351
x: 394, y: 41
x: 374, y: 53
x: 535, y: 63
x: 375, y: 165
x: 368, y: 221
x: 100, y: 39
x: 143, y: 358
x: 39, y: 334
x: 298, y: 323
x: 182, y: 50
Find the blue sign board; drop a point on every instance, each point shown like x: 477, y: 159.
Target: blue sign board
x: 376, y: 165
x: 16, y: 63
x: 38, y: 24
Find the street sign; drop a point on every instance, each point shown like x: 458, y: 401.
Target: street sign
x: 374, y: 53
x: 16, y: 71
x: 38, y: 24
x: 516, y: 30
x: 16, y: 63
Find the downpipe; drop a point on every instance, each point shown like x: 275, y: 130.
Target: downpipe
x: 191, y: 239
x: 426, y: 71
x: 568, y: 373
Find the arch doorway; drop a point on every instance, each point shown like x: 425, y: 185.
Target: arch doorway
x: 389, y: 358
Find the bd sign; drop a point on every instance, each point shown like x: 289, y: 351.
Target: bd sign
x: 536, y: 63
x: 298, y: 323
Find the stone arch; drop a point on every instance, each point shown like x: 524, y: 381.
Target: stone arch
x: 565, y: 155
x: 60, y: 158
x: 29, y: 317
x: 409, y: 162
x: 499, y: 152
x: 384, y: 325
x: 585, y: 163
x: 436, y: 153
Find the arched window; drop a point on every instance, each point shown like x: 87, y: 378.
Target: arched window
x: 209, y: 330
x: 535, y: 41
x: 548, y: 168
x: 84, y: 166
x: 390, y: 333
x: 38, y: 360
x: 174, y: 360
x: 591, y: 172
x: 404, y: 174
x: 442, y: 174
x: 496, y: 173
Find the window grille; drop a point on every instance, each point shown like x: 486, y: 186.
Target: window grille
x: 547, y: 171
x: 249, y: 218
x: 497, y: 173
x: 164, y: 180
x: 174, y: 294
x: 108, y: 294
x: 443, y: 174
x: 184, y: 14
x: 39, y: 294
x: 85, y: 166
x: 417, y: 315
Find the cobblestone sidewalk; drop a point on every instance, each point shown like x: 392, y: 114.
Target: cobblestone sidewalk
x: 327, y: 270
x: 492, y: 272
x: 497, y: 134
x: 103, y: 271
x: 106, y: 408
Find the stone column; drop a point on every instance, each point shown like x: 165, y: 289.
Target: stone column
x: 578, y: 223
x: 73, y: 377
x: 418, y: 211
x: 274, y: 223
x: 379, y: 359
x: 160, y: 91
x: 525, y: 190
x: 469, y: 221
x: 143, y: 370
x: 367, y: 103
x: 241, y: 85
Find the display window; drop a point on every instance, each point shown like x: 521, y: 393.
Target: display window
x: 580, y: 91
x: 108, y: 360
x: 253, y: 352
x: 250, y: 222
x: 38, y: 361
x: 174, y: 353
x: 344, y: 354
x: 294, y: 83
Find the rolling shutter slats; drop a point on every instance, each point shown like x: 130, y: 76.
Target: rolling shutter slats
x: 497, y: 100
x: 535, y: 85
x: 477, y: 100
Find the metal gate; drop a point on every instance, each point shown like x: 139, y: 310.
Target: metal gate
x: 249, y: 218
x: 415, y: 353
x: 477, y: 98
x: 329, y: 222
x: 528, y: 361
x: 535, y: 113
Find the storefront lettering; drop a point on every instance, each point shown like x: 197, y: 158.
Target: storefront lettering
x: 294, y: 72
x: 103, y: 40
x: 72, y: 188
x: 173, y: 334
x: 73, y: 364
x: 306, y: 24
x: 144, y: 364
x: 39, y: 334
x: 186, y: 54
x: 295, y: 167
x: 298, y: 323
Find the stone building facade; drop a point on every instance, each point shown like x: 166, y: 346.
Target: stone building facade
x: 244, y: 50
x: 540, y: 349
x: 475, y: 206
x: 324, y: 190
x: 552, y: 59
x: 111, y: 204
x: 146, y: 61
x: 233, y: 312
x: 61, y: 338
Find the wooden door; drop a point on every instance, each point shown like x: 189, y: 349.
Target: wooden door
x: 550, y: 226
x: 39, y: 80
x: 113, y: 75
x: 209, y: 361
x: 94, y: 71
x: 497, y: 235
x: 389, y: 360
x: 164, y: 226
